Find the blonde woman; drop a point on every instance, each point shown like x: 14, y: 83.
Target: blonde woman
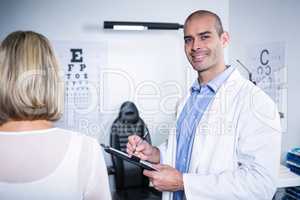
x: 39, y: 161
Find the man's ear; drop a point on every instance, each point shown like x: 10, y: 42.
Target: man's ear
x: 225, y: 39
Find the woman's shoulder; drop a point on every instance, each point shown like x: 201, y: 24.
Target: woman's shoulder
x: 87, y: 140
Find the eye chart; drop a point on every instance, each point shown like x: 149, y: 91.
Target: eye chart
x: 81, y: 63
x: 267, y: 65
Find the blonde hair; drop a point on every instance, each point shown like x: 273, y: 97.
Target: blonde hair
x: 30, y: 86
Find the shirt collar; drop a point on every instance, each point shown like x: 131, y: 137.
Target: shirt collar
x: 215, y: 83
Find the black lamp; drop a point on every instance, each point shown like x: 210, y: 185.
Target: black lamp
x: 139, y: 26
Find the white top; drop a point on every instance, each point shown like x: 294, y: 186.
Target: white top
x: 51, y: 164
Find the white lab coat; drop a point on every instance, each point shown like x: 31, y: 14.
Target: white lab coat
x: 236, y: 151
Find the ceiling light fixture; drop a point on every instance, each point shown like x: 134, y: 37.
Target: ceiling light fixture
x: 139, y: 26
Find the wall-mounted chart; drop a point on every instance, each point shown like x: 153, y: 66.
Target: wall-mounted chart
x: 266, y: 62
x: 81, y: 63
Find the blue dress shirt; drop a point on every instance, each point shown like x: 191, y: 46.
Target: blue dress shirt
x: 189, y: 118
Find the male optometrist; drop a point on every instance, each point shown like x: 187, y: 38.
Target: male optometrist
x: 227, y: 140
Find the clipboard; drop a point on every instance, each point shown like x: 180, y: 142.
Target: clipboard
x: 132, y: 159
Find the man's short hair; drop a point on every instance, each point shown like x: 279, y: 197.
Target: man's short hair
x: 30, y: 86
x: 201, y: 13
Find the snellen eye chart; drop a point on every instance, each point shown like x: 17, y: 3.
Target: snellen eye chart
x: 266, y: 62
x: 81, y: 63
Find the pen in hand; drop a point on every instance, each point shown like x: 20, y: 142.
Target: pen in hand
x: 141, y: 141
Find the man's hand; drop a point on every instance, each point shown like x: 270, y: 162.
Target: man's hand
x: 142, y: 149
x: 166, y: 179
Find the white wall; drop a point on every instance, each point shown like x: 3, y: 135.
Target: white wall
x: 263, y: 21
x: 153, y: 60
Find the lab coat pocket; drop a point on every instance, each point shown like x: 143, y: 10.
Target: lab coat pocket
x: 223, y: 155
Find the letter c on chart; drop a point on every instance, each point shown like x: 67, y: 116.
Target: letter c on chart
x: 262, y: 61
